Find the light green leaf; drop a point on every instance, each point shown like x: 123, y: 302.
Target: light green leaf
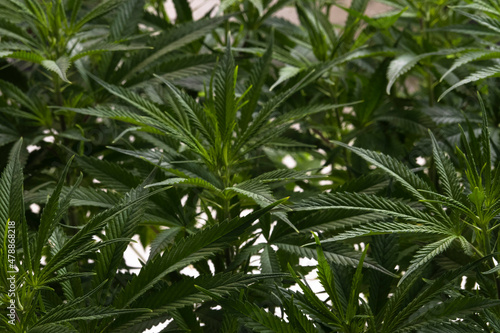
x: 492, y: 71
x: 427, y: 253
x: 60, y: 67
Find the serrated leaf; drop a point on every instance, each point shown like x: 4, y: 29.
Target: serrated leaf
x: 405, y: 62
x: 285, y: 73
x: 446, y: 171
x: 176, y: 38
x: 472, y: 56
x: 344, y: 259
x: 197, y: 182
x: 60, y: 67
x: 11, y: 190
x: 369, y: 203
x: 427, y: 253
x: 479, y: 75
x: 199, y: 246
x: 162, y: 240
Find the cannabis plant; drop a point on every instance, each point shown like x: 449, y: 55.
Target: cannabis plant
x: 486, y: 15
x: 122, y: 125
x: 452, y: 273
x: 415, y: 305
x: 207, y: 145
x: 453, y: 217
x: 40, y: 268
x: 215, y: 148
x: 70, y: 280
x: 354, y: 59
x: 48, y: 50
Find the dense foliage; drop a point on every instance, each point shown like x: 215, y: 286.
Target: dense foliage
x: 238, y: 145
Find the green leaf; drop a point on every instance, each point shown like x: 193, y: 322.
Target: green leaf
x: 67, y: 276
x: 370, y: 203
x: 11, y: 190
x: 110, y: 174
x: 184, y: 293
x: 60, y: 67
x: 398, y: 310
x: 344, y: 259
x: 183, y: 103
x: 118, y: 112
x: 81, y: 243
x: 163, y: 121
x: 101, y: 9
x: 23, y: 55
x: 253, y: 317
x: 426, y: 254
x: 269, y: 261
x: 394, y: 168
x: 51, y: 216
x: 450, y: 202
x: 296, y: 317
x: 126, y: 19
x: 176, y: 38
x: 405, y: 62
x: 199, y: 246
x: 105, y: 47
x: 258, y: 4
x: 449, y: 310
x: 261, y: 194
x: 264, y: 114
x: 225, y: 104
x: 472, y: 56
x: 87, y: 313
x: 123, y: 226
x: 18, y: 95
x: 447, y: 175
x: 485, y: 21
x: 353, y: 303
x: 299, y: 113
x: 314, y: 302
x: 52, y: 328
x: 357, y: 6
x: 196, y: 182
x: 82, y: 196
x: 17, y: 33
x: 479, y: 75
x: 162, y: 240
x: 327, y: 280
x: 383, y: 21
x: 285, y: 73
x: 382, y: 228
x: 7, y: 135
x: 183, y: 11
x: 284, y: 175
x: 257, y: 79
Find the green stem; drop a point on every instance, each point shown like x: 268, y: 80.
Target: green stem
x: 57, y: 89
x: 333, y: 96
x: 161, y: 9
x: 486, y: 240
x: 59, y: 99
x: 226, y: 209
x: 487, y: 251
x: 430, y: 89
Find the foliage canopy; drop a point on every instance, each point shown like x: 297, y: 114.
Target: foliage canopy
x: 239, y: 146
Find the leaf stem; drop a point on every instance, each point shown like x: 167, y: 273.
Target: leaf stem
x: 430, y: 89
x: 487, y: 251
